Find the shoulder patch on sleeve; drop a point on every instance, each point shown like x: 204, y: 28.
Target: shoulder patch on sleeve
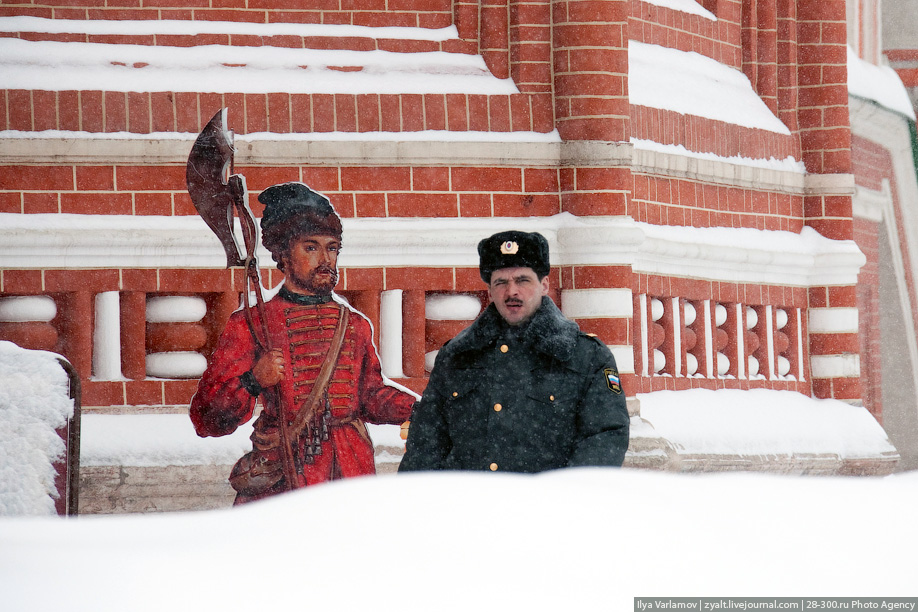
x: 613, y: 380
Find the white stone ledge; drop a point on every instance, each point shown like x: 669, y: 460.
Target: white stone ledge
x: 870, y: 205
x: 718, y: 172
x: 835, y: 366
x: 586, y: 303
x: 428, y: 148
x: 720, y: 254
x: 829, y: 184
x: 833, y: 320
x: 624, y: 358
x: 527, y: 149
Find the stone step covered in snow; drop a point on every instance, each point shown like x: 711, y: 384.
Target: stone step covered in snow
x: 156, y: 463
x: 765, y: 430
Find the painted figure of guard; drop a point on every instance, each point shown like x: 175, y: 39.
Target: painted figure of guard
x: 322, y: 374
x: 522, y: 389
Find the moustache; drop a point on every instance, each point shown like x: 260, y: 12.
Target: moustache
x: 326, y: 269
x: 513, y: 302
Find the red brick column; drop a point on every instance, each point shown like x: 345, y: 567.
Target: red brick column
x: 788, y: 95
x: 834, y: 348
x: 494, y: 42
x: 77, y: 332
x: 591, y: 69
x: 413, y: 332
x: 530, y: 45
x: 825, y: 138
x: 822, y: 72
x: 133, y: 334
x: 465, y: 18
x: 766, y: 83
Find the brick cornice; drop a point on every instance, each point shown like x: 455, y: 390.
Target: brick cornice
x: 829, y: 184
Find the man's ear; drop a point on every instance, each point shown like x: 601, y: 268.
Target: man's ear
x: 545, y: 285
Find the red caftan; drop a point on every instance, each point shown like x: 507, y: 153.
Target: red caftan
x: 356, y: 391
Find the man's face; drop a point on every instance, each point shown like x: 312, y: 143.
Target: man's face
x: 517, y: 293
x: 311, y: 264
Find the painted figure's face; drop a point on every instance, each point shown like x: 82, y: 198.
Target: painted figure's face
x: 517, y: 293
x: 311, y: 264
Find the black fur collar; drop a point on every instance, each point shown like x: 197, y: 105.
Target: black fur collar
x: 548, y: 332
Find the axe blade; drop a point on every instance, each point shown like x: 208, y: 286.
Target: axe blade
x: 207, y: 177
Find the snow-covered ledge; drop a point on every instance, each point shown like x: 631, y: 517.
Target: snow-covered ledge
x: 740, y: 255
x: 763, y: 430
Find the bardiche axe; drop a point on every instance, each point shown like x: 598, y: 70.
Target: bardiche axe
x: 220, y: 196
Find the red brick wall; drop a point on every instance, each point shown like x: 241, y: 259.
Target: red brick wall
x: 146, y: 112
x: 569, y: 60
x: 719, y: 40
x: 868, y: 301
x: 670, y: 201
x: 411, y: 13
x: 872, y: 164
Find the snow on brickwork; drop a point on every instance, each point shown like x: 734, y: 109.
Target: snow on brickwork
x: 684, y: 6
x: 880, y: 84
x: 706, y: 88
x: 63, y: 66
x: 174, y: 27
x: 414, y: 13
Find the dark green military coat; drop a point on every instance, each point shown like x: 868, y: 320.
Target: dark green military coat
x: 503, y: 399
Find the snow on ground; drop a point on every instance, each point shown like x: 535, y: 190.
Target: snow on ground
x: 34, y: 403
x: 579, y: 540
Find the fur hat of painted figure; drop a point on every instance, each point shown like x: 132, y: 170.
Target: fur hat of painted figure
x: 293, y: 209
x: 513, y: 249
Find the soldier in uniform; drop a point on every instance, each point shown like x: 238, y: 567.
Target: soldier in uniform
x: 308, y: 326
x: 522, y: 389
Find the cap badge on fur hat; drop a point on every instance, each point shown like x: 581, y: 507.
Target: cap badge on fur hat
x: 513, y: 249
x: 509, y: 248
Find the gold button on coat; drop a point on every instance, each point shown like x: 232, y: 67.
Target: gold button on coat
x: 498, y: 407
x: 455, y: 394
x: 493, y: 467
x: 504, y: 348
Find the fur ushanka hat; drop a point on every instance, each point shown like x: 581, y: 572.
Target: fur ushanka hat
x: 293, y: 209
x: 513, y: 249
